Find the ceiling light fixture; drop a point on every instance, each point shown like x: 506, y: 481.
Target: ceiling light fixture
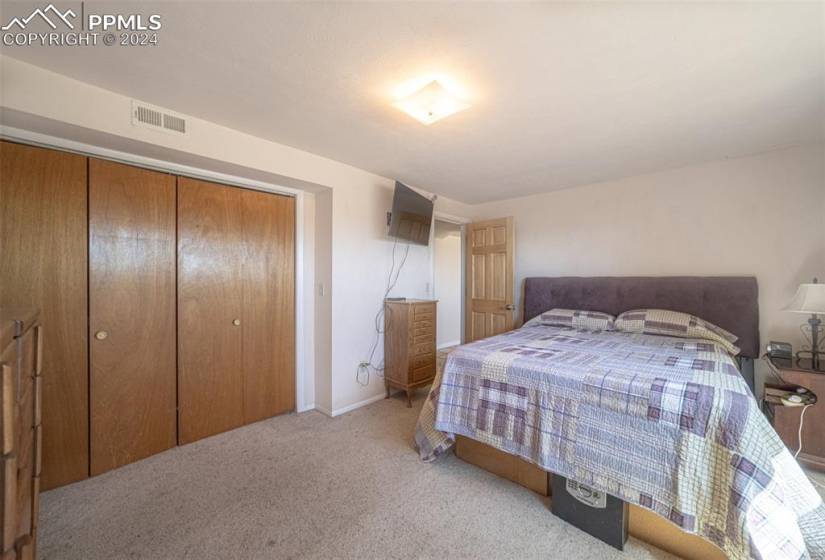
x: 431, y: 103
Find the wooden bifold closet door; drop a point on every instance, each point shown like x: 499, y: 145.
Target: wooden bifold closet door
x: 268, y: 322
x: 167, y: 304
x: 131, y: 313
x: 236, y: 288
x: 43, y: 266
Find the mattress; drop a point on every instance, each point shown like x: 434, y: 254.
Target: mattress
x: 665, y: 423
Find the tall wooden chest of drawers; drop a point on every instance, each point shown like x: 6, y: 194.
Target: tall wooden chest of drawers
x: 409, y: 344
x: 20, y: 431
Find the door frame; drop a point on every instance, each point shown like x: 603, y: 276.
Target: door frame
x: 55, y: 143
x: 462, y: 223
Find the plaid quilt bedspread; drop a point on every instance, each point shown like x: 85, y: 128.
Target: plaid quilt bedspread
x: 665, y: 423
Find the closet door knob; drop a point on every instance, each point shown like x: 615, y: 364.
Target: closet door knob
x: 236, y: 322
x: 101, y: 335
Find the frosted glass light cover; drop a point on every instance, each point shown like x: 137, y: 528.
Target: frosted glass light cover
x: 430, y: 103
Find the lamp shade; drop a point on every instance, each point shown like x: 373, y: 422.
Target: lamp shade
x: 809, y: 298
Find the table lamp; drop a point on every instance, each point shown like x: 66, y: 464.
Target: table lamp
x: 810, y: 298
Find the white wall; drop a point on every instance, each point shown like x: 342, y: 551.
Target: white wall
x: 447, y: 265
x: 321, y: 293
x: 760, y: 215
x: 351, y: 202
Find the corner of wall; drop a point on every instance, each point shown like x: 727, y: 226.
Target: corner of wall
x: 322, y: 295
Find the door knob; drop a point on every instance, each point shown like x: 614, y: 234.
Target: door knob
x: 509, y: 307
x: 236, y: 322
x: 101, y: 335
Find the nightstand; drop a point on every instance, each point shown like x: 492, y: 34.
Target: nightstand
x: 786, y: 418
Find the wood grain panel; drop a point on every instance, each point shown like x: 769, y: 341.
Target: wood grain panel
x: 498, y: 277
x: 268, y: 323
x: 7, y: 401
x: 132, y: 299
x: 507, y: 466
x: 478, y: 326
x: 8, y: 501
x: 423, y: 311
x: 35, y: 501
x: 397, y: 347
x: 43, y: 265
x: 499, y: 323
x: 499, y: 235
x: 24, y: 548
x: 25, y: 468
x: 423, y: 373
x: 786, y: 419
x: 478, y: 276
x: 424, y: 360
x: 38, y: 400
x: 28, y: 352
x: 19, y: 333
x: 409, y: 349
x: 422, y: 331
x: 210, y: 260
x: 490, y: 278
x: 38, y: 450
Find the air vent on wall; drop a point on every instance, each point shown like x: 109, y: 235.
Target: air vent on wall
x: 171, y: 122
x: 147, y: 116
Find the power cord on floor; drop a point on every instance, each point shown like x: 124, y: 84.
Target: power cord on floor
x: 362, y: 372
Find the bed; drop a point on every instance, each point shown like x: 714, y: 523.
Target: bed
x: 666, y: 424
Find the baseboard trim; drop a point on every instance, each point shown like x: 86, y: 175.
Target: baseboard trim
x: 305, y: 408
x: 351, y: 407
x: 448, y: 344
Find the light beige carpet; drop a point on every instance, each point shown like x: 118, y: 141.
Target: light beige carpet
x: 307, y: 486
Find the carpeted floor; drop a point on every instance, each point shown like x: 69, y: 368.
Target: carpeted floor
x: 307, y: 486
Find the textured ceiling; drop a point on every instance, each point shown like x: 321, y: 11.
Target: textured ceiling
x: 563, y: 94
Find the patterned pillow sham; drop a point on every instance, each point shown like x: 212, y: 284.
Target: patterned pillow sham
x: 674, y: 323
x: 578, y: 319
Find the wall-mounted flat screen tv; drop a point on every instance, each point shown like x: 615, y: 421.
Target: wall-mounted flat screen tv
x: 412, y: 215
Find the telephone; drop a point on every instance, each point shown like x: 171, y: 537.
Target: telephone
x: 782, y: 350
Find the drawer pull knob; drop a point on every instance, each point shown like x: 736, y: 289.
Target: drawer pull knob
x: 101, y: 335
x: 236, y: 322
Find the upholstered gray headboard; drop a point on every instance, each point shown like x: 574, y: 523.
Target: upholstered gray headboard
x: 727, y: 301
